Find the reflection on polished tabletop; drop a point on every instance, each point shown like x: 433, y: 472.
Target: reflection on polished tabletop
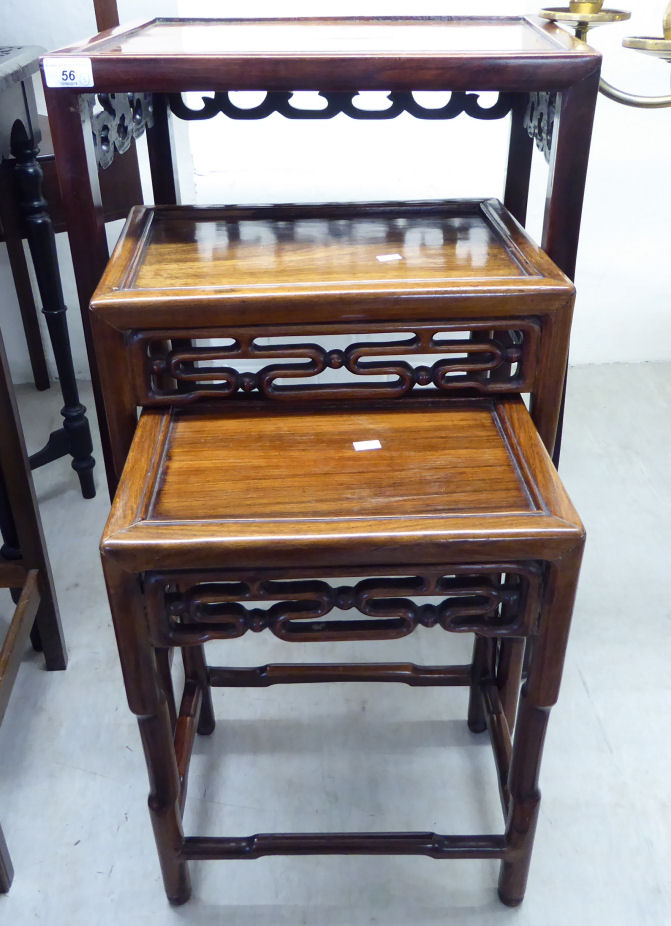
x: 408, y: 53
x: 352, y: 249
x: 403, y: 35
x: 470, y: 469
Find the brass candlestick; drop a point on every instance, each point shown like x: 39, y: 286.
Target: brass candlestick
x: 583, y: 15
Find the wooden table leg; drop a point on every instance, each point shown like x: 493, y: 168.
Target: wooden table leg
x: 568, y: 168
x: 518, y: 171
x: 73, y: 150
x: 6, y: 869
x: 21, y: 277
x: 566, y: 187
x: 161, y: 154
x: 74, y: 437
x: 539, y: 694
x: 26, y: 520
x: 147, y: 700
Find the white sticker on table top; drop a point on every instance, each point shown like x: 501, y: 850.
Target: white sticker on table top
x: 383, y: 258
x: 367, y: 445
x: 68, y: 72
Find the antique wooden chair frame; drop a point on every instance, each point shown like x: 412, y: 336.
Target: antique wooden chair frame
x: 24, y: 567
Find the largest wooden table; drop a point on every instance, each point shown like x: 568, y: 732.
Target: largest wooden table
x: 546, y: 79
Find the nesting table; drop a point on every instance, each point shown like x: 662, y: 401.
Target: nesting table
x: 278, y: 499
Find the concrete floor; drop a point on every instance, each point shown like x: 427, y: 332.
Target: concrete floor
x: 73, y: 784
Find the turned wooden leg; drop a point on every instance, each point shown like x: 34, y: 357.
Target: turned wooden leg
x: 157, y: 741
x: 508, y: 676
x: 6, y: 869
x: 165, y: 675
x: 74, y: 437
x: 539, y: 694
x: 147, y: 699
x: 11, y: 227
x: 195, y: 667
x: 510, y: 657
x: 480, y: 668
x: 524, y: 798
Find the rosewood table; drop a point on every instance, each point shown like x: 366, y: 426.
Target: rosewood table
x: 102, y: 92
x: 409, y: 485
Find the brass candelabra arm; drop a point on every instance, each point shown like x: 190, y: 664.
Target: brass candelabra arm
x: 633, y: 99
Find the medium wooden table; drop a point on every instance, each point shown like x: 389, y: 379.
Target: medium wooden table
x: 546, y: 80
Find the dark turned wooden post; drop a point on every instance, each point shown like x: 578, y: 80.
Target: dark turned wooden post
x: 17, y: 101
x: 73, y: 149
x: 21, y: 277
x: 75, y: 435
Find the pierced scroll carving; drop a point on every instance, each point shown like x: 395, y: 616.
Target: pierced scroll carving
x: 498, y: 600
x: 283, y: 102
x: 539, y: 120
x: 116, y: 119
x: 489, y: 357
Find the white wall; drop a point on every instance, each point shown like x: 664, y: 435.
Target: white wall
x: 624, y: 308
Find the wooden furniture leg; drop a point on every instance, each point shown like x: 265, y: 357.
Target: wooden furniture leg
x: 539, y: 694
x: 481, y: 667
x: 145, y: 690
x: 518, y: 172
x: 164, y: 802
x: 73, y: 147
x: 21, y: 277
x: 162, y: 157
x: 195, y: 668
x: 75, y: 436
x: 10, y: 657
x: 23, y: 517
x: 28, y: 309
x: 566, y: 187
x: 6, y: 868
x: 568, y: 169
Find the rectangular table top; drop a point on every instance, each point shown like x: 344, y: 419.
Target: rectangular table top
x: 324, y: 256
x: 336, y: 53
x: 223, y: 481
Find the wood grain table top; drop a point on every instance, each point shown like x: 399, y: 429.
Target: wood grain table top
x: 205, y: 483
x: 174, y: 259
